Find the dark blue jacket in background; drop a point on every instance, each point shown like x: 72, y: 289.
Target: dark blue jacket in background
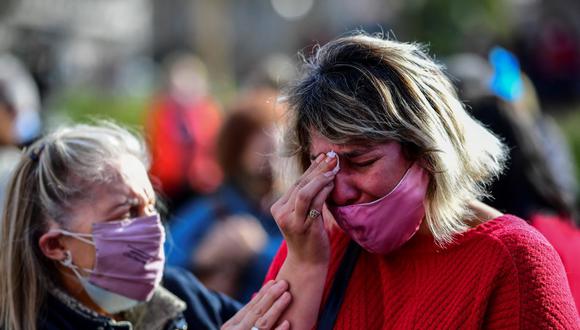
x: 194, y: 221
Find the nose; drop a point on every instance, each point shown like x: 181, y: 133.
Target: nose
x: 344, y: 192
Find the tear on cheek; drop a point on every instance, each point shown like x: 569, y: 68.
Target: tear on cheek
x: 332, y: 154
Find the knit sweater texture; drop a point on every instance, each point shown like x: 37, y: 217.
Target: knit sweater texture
x: 502, y: 274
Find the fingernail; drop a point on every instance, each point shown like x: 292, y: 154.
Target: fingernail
x: 330, y: 156
x: 319, y: 158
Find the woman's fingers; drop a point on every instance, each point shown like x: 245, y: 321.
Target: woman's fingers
x: 241, y: 314
x: 318, y: 201
x: 291, y: 213
x: 268, y: 304
x: 269, y: 319
x: 263, y: 304
x: 286, y: 204
x: 306, y: 195
x: 323, y: 168
x: 301, y: 182
x: 314, y: 165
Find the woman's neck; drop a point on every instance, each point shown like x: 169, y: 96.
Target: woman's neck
x: 482, y: 213
x: 71, y: 285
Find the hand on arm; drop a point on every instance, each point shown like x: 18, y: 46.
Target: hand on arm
x: 264, y: 310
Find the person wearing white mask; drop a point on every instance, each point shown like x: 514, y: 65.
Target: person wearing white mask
x: 82, y: 245
x: 21, y: 92
x: 9, y: 152
x: 19, y: 114
x: 384, y: 170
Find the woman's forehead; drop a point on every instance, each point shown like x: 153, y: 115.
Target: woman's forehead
x: 319, y: 141
x: 352, y: 149
x: 127, y: 178
x: 133, y: 172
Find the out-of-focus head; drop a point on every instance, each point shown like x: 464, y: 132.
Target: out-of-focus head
x: 186, y: 76
x: 261, y: 89
x: 477, y: 80
x: 472, y: 74
x: 69, y: 179
x: 19, y: 95
x: 7, y: 118
x: 364, y: 90
x: 245, y: 146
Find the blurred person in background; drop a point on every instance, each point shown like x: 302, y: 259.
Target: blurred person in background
x: 182, y: 127
x: 19, y: 115
x: 229, y: 238
x: 9, y: 152
x: 539, y: 183
x: 82, y: 245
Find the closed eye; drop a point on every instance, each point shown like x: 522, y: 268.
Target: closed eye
x: 364, y: 163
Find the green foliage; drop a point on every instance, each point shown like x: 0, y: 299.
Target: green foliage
x: 84, y: 106
x: 446, y: 25
x: 570, y: 124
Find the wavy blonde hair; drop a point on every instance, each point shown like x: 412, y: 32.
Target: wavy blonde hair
x: 52, y: 174
x: 365, y: 88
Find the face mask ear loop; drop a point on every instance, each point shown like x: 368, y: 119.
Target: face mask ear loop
x: 80, y: 237
x: 67, y: 262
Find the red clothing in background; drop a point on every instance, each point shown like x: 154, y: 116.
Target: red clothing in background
x: 501, y: 274
x: 566, y: 240
x: 182, y: 140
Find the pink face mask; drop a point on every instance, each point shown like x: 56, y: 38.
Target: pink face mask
x: 384, y: 225
x: 129, y: 261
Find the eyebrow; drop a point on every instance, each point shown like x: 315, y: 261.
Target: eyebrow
x: 359, y: 151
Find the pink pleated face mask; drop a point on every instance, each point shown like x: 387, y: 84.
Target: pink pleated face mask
x: 386, y: 224
x: 129, y: 258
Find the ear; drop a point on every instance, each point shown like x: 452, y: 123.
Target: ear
x: 51, y: 246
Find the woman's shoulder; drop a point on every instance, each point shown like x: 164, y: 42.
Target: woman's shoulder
x: 509, y: 229
x: 488, y: 222
x: 514, y: 235
x: 533, y: 267
x: 527, y: 252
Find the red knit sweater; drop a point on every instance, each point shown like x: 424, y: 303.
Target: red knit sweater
x: 501, y: 274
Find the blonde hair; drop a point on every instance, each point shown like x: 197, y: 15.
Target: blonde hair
x: 52, y: 174
x: 365, y: 88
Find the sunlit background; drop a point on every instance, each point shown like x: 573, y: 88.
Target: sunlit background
x: 107, y: 57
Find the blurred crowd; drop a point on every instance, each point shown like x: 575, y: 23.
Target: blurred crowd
x: 212, y: 164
